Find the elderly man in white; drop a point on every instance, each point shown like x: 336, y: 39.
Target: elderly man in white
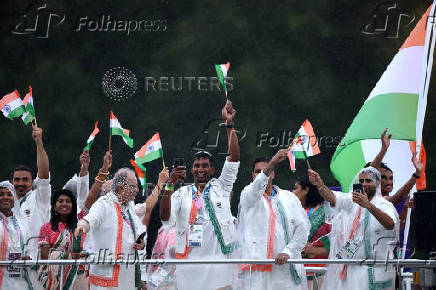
x: 112, y: 224
x: 273, y: 225
x: 201, y: 214
x: 12, y: 236
x: 364, y: 226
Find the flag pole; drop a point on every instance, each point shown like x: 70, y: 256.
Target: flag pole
x: 422, y: 104
x: 308, y: 164
x: 163, y: 162
x: 110, y: 135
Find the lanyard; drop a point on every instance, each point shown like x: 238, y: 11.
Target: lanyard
x: 196, y: 198
x: 309, y: 212
x: 17, y: 228
x: 272, y: 194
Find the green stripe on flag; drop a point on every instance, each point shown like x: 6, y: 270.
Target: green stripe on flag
x: 396, y: 111
x: 88, y: 146
x: 149, y: 156
x: 117, y: 131
x: 347, y: 163
x: 17, y: 112
x: 31, y: 110
x: 300, y: 155
x: 219, y: 72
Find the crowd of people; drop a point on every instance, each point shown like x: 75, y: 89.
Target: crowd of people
x: 179, y: 221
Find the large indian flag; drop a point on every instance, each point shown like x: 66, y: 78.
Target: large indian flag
x: 116, y: 129
x: 150, y: 151
x: 392, y: 104
x: 12, y: 106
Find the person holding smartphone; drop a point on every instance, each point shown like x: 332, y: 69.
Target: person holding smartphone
x: 364, y: 226
x: 201, y: 214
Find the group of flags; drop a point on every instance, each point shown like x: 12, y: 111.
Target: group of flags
x: 152, y: 149
x: 13, y: 107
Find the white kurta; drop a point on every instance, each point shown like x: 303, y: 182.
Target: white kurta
x: 374, y: 242
x: 13, y: 277
x: 254, y: 218
x: 82, y: 191
x: 32, y: 211
x: 102, y: 219
x: 206, y: 276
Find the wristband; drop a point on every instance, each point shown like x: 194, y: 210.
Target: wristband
x: 415, y: 175
x: 169, y: 187
x: 103, y: 173
x: 97, y: 178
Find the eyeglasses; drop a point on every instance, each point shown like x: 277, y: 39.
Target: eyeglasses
x: 132, y: 185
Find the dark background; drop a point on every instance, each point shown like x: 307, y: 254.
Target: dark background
x: 290, y: 60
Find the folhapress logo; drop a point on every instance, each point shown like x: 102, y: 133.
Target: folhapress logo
x: 38, y: 20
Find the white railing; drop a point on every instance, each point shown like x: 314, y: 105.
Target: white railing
x: 407, y: 278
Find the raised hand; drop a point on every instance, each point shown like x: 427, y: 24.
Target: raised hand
x: 314, y: 178
x: 419, y: 166
x: 37, y: 135
x: 228, y: 112
x: 385, y: 140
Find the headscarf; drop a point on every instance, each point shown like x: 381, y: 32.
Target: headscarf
x: 10, y: 186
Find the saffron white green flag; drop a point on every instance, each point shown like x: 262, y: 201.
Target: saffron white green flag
x: 116, y: 129
x: 150, y: 151
x: 91, y: 137
x: 221, y: 71
x: 140, y: 172
x: 12, y: 106
x: 392, y: 104
x: 29, y: 115
x: 305, y: 144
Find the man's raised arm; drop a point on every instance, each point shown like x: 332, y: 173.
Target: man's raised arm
x: 41, y: 155
x: 228, y: 113
x: 323, y: 190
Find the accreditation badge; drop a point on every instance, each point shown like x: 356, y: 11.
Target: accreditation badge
x: 14, y: 271
x: 348, y: 250
x: 195, y: 237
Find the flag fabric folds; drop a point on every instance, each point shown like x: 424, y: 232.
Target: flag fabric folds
x: 116, y: 129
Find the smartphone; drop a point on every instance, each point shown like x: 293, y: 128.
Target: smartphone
x: 178, y: 162
x: 358, y: 188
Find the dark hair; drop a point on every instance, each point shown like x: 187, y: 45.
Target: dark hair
x: 313, y: 198
x: 204, y: 154
x: 257, y: 160
x: 22, y: 167
x: 382, y: 165
x: 71, y: 218
x: 153, y: 227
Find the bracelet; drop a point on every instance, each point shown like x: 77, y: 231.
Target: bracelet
x: 169, y: 187
x: 100, y: 180
x: 415, y: 175
x: 103, y: 173
x: 230, y: 126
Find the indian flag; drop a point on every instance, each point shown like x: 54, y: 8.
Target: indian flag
x: 392, y: 104
x: 29, y: 115
x: 150, y: 151
x: 12, y: 106
x: 91, y: 137
x: 305, y: 144
x: 140, y: 172
x: 116, y: 129
x: 221, y: 71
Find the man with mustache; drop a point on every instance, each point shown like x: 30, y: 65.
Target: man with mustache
x: 201, y: 214
x: 33, y: 206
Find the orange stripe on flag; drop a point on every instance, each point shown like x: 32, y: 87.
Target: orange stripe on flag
x: 421, y: 182
x: 143, y: 149
x: 417, y: 36
x: 9, y: 98
x: 311, y: 135
x: 113, y: 116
